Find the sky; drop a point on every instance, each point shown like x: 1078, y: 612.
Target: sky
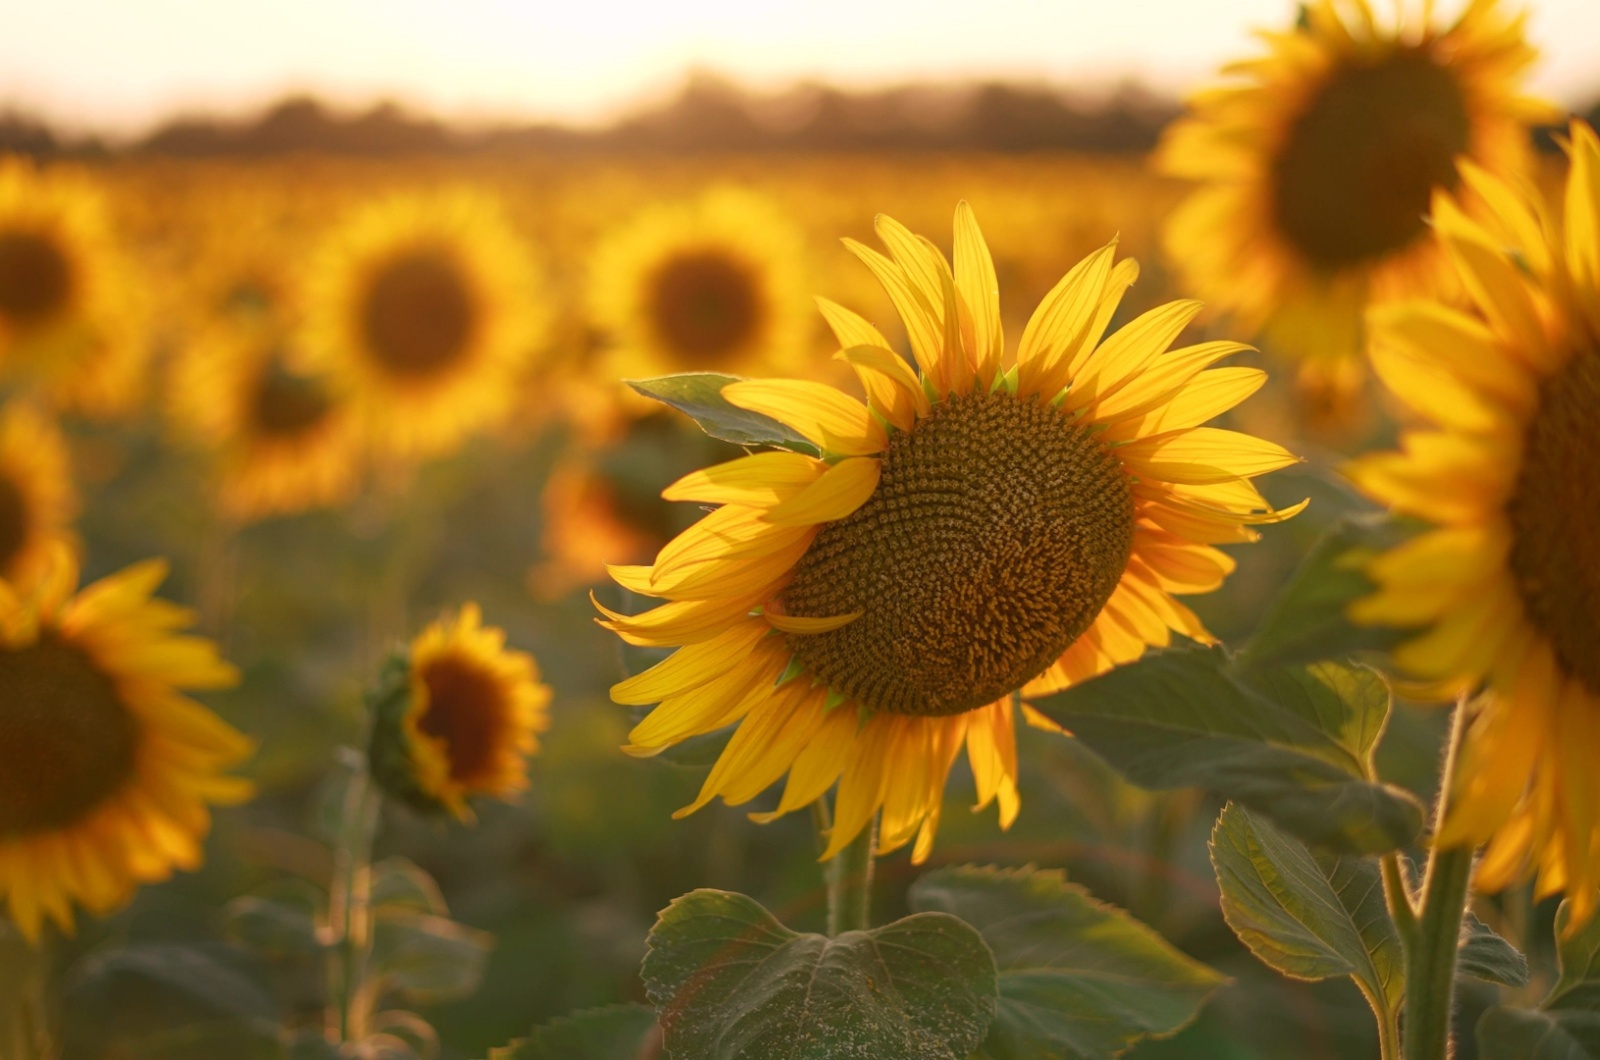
x: 118, y: 67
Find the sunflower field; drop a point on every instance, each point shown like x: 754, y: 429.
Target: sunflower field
x: 522, y: 605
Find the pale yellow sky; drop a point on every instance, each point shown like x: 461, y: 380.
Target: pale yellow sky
x: 118, y: 66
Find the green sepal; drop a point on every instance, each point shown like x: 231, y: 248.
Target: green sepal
x: 389, y: 757
x: 699, y: 396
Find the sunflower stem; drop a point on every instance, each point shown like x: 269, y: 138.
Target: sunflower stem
x: 849, y: 877
x: 350, y: 908
x: 1431, y: 948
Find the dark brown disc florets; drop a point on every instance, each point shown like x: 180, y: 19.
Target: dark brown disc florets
x: 67, y: 740
x: 1353, y: 177
x: 998, y: 531
x: 1555, y: 518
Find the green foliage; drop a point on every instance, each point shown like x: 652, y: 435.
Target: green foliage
x: 1293, y: 744
x: 731, y: 983
x: 1566, y: 1025
x: 1307, y: 622
x: 699, y: 394
x: 1485, y: 955
x: 1079, y: 980
x: 615, y: 1032
x: 1307, y: 916
x: 426, y: 958
x: 280, y: 922
x: 173, y: 1001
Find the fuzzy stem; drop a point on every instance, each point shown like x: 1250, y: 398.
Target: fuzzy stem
x: 849, y: 877
x: 1431, y: 949
x: 350, y: 909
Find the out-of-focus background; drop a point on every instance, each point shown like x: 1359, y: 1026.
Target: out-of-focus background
x: 228, y: 143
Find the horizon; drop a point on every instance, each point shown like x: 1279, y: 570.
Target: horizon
x: 507, y: 63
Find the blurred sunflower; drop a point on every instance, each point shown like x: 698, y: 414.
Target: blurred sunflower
x: 425, y: 308
x: 1317, y: 165
x: 1509, y: 581
x: 67, y: 320
x: 37, y: 498
x: 585, y: 527
x: 456, y: 715
x: 108, y: 769
x: 714, y: 284
x: 284, y: 441
x: 970, y: 532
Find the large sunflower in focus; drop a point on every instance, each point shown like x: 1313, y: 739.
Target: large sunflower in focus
x: 1510, y: 579
x: 971, y: 531
x: 37, y: 498
x: 714, y: 284
x: 106, y: 769
x: 67, y: 326
x: 425, y: 308
x: 1316, y: 166
x: 285, y: 441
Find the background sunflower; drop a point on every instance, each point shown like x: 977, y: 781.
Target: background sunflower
x: 1316, y: 161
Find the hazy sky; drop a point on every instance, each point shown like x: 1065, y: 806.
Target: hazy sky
x: 119, y: 65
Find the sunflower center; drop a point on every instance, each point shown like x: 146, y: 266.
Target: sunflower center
x: 67, y: 740
x: 467, y: 709
x: 418, y: 314
x: 998, y: 531
x: 1555, y: 519
x: 35, y: 277
x: 1353, y: 179
x: 284, y: 405
x: 13, y: 521
x: 704, y: 305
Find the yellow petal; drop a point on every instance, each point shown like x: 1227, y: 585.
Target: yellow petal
x: 759, y: 480
x: 842, y: 489
x: 800, y: 624
x: 690, y: 667
x: 836, y: 422
x: 980, y: 290
x: 1202, y: 455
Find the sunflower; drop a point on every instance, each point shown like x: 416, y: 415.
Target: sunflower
x: 37, y: 497
x: 1317, y: 164
x: 1508, y: 580
x: 714, y: 284
x: 284, y: 440
x: 970, y: 532
x: 425, y: 308
x: 68, y: 325
x: 457, y: 715
x: 109, y: 768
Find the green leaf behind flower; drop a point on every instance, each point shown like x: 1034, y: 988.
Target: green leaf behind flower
x: 1308, y: 916
x: 1079, y: 980
x: 699, y: 395
x: 1293, y: 744
x: 1566, y: 1025
x: 731, y: 983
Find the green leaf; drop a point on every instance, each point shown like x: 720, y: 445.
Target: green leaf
x: 699, y: 394
x: 1485, y: 955
x: 1290, y: 744
x: 1307, y: 916
x: 731, y: 983
x: 1566, y: 1025
x: 1078, y: 978
x: 427, y: 958
x: 399, y: 883
x: 178, y: 1002
x: 616, y: 1032
x: 1533, y: 1034
x: 1307, y: 621
x: 278, y: 923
